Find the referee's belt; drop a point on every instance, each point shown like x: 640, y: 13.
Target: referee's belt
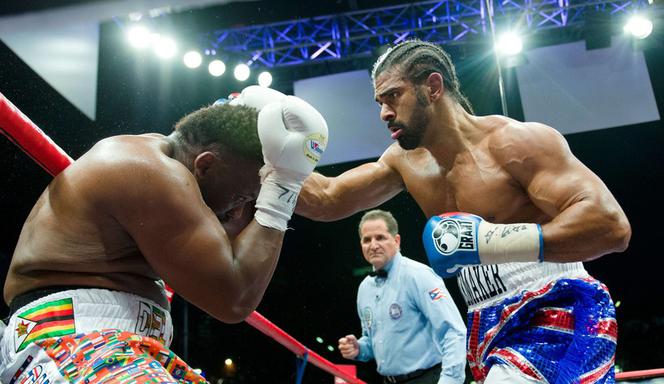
x: 408, y: 376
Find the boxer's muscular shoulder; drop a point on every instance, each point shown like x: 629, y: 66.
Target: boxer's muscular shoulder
x: 517, y: 142
x: 388, y: 165
x: 133, y: 166
x: 129, y: 148
x: 147, y: 155
x: 392, y: 155
x: 402, y: 161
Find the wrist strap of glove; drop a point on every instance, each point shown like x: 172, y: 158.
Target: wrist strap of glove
x: 506, y: 243
x: 277, y: 198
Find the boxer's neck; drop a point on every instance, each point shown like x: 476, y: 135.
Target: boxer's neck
x: 179, y: 151
x: 451, y: 131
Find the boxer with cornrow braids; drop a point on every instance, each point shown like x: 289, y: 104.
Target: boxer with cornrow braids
x: 513, y: 215
x: 415, y: 60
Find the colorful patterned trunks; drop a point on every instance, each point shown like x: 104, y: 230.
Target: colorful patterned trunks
x: 115, y: 356
x: 54, y: 340
x: 564, y: 332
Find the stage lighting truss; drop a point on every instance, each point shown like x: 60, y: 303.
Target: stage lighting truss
x: 358, y: 33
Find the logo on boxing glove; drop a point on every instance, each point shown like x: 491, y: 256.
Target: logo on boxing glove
x: 450, y: 235
x: 314, y: 146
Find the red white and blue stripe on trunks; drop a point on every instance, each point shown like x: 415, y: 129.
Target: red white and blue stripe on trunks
x: 564, y: 332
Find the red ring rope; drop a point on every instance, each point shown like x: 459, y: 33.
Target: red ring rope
x: 27, y: 136
x: 648, y: 373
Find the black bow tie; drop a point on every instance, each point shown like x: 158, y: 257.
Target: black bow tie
x: 379, y: 273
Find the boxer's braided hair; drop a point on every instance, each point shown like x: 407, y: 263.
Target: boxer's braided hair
x: 416, y: 60
x: 222, y: 128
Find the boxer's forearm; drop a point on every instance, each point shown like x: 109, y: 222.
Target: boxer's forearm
x: 225, y: 279
x: 585, y: 231
x: 332, y: 198
x: 255, y: 254
x: 317, y: 200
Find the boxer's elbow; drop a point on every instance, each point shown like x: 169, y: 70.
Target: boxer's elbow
x: 236, y: 313
x: 617, y: 232
x: 621, y: 233
x: 227, y: 313
x: 233, y: 308
x: 240, y: 315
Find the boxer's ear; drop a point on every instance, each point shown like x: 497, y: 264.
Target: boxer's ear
x: 203, y: 163
x: 435, y: 85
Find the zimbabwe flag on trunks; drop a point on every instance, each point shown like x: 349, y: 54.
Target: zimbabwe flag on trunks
x: 51, y: 319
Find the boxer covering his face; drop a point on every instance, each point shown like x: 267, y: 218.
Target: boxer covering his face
x: 203, y: 209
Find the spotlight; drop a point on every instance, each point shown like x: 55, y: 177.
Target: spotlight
x: 228, y: 362
x: 242, y: 72
x: 192, y: 59
x: 639, y: 26
x: 509, y: 44
x: 165, y: 47
x: 265, y: 79
x: 216, y: 68
x: 138, y: 36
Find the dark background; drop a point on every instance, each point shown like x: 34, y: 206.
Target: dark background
x: 314, y: 287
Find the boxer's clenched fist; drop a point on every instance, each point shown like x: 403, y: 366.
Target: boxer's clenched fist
x: 456, y: 239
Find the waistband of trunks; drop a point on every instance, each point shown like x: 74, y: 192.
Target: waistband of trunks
x: 83, y: 310
x: 484, y: 285
x: 28, y: 297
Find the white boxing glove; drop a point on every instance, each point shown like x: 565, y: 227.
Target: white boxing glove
x: 256, y: 96
x: 293, y: 136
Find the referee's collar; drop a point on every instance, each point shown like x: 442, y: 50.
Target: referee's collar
x: 384, y: 272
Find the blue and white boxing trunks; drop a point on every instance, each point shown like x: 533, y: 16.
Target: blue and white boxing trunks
x: 548, y: 322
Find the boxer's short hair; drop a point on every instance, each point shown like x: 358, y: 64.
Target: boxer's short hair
x: 222, y: 128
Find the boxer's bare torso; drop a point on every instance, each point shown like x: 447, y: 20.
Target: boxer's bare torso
x: 504, y: 171
x: 73, y: 235
x: 473, y: 181
x: 498, y: 168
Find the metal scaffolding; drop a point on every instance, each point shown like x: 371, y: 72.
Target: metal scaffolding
x: 359, y: 33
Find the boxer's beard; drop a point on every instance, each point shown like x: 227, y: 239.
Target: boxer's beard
x: 412, y: 132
